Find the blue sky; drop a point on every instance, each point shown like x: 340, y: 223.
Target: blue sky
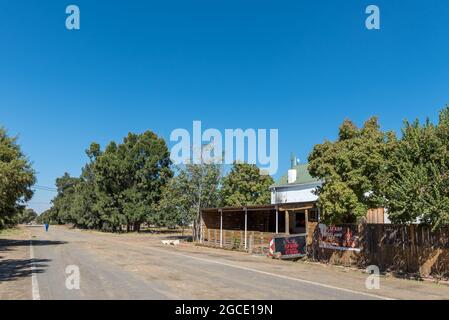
x: 299, y: 66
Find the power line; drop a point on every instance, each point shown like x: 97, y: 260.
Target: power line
x: 38, y: 202
x: 44, y: 188
x: 38, y: 186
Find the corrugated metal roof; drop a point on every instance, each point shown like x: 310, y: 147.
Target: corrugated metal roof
x: 266, y: 207
x: 302, y: 177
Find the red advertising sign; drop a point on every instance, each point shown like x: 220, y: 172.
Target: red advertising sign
x: 290, y: 247
x: 340, y: 237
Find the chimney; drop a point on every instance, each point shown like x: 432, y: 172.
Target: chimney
x: 292, y: 176
x: 292, y: 172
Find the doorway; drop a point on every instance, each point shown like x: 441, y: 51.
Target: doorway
x: 297, y: 222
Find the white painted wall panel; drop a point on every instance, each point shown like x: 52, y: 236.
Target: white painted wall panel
x: 293, y: 194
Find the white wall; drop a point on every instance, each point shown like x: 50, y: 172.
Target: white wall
x: 290, y: 194
x: 386, y: 217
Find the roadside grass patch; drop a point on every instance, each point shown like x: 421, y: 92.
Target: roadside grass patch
x: 10, y: 231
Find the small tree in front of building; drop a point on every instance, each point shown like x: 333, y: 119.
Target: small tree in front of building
x: 245, y: 185
x: 353, y: 171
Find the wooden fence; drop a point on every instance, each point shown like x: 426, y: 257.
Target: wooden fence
x: 412, y: 249
x: 256, y: 242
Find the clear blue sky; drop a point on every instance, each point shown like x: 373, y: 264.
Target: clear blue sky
x: 300, y: 66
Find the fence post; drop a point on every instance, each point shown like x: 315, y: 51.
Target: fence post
x: 365, y: 245
x: 383, y: 256
x: 246, y: 228
x: 221, y: 228
x: 413, y: 246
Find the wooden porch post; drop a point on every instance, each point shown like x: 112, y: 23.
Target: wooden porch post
x: 287, y: 222
x: 221, y: 228
x: 246, y: 228
x: 306, y: 218
x: 277, y: 219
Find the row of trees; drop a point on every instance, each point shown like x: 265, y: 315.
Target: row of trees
x: 27, y: 215
x: 368, y: 168
x: 16, y: 179
x: 134, y: 182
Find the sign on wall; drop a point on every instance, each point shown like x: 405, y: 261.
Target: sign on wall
x: 340, y: 237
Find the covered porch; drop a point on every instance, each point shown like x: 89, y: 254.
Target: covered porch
x: 251, y: 228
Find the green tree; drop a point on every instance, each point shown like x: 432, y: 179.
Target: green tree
x: 353, y: 170
x: 26, y: 216
x: 48, y: 216
x: 84, y: 209
x: 16, y: 179
x: 176, y: 207
x: 63, y: 202
x: 195, y: 187
x: 418, y: 174
x: 245, y: 185
x: 129, y: 178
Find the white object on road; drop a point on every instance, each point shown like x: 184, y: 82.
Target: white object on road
x: 171, y: 242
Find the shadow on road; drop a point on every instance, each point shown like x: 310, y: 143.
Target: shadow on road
x: 7, y: 244
x: 12, y: 269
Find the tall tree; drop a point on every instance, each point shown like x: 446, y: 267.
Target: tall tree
x: 130, y: 177
x: 353, y: 171
x: 63, y: 202
x: 195, y: 187
x: 418, y: 174
x: 16, y: 179
x: 245, y: 185
x: 176, y: 206
x: 84, y: 208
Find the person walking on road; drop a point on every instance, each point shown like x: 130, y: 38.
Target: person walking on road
x: 46, y: 227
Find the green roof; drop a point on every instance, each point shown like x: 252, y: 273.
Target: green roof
x: 302, y: 177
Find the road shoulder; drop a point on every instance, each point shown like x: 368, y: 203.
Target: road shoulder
x: 15, y: 265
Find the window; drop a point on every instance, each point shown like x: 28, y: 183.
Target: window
x: 300, y: 219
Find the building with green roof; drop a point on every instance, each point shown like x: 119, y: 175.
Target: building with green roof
x: 296, y: 185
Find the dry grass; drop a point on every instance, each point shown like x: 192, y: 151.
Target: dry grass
x: 11, y: 231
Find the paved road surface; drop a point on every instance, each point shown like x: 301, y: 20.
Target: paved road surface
x: 140, y: 267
